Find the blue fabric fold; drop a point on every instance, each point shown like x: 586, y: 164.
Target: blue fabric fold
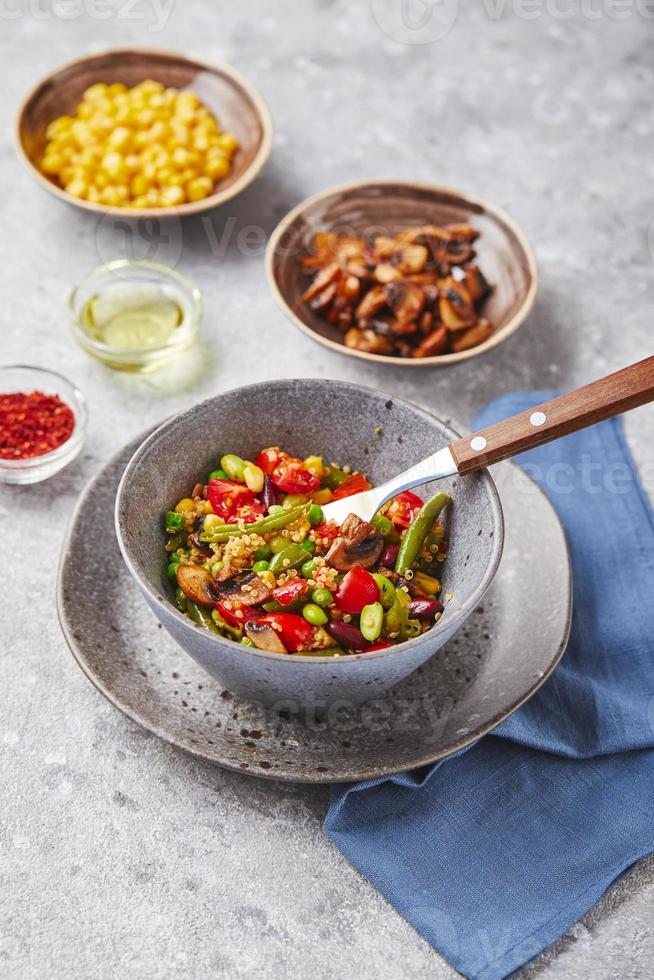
x: 493, y: 854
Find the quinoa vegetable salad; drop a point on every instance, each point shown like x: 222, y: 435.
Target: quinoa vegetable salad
x: 255, y: 561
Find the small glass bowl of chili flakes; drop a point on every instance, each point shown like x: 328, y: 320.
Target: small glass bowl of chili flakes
x: 42, y: 423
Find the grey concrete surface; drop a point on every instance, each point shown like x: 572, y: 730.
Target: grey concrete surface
x: 118, y: 855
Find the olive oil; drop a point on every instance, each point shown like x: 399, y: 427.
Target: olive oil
x: 132, y: 316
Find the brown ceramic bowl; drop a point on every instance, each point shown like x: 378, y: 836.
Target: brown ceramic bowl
x: 237, y: 106
x: 385, y: 207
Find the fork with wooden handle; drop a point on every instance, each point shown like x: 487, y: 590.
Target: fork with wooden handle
x: 602, y: 399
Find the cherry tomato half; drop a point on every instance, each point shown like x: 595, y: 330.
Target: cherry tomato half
x: 296, y: 634
x: 404, y: 508
x: 269, y: 459
x: 357, y: 589
x: 233, y: 501
x: 292, y: 476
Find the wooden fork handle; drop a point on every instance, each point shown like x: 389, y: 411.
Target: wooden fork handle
x: 619, y: 392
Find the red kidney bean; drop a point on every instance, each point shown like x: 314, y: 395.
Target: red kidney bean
x: 389, y: 556
x: 425, y: 608
x: 270, y: 495
x: 346, y: 635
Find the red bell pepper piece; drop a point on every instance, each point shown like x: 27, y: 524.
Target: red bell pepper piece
x: 357, y: 589
x: 403, y: 508
x: 296, y: 634
x: 379, y: 645
x: 233, y: 501
x: 356, y: 483
x: 292, y: 590
x: 328, y: 529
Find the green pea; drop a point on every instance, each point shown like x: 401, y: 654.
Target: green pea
x: 172, y: 570
x: 309, y: 568
x: 247, y: 642
x: 275, y: 509
x: 217, y: 475
x: 260, y: 566
x: 278, y: 543
x: 174, y: 522
x: 322, y: 597
x: 314, y: 614
x: 233, y: 466
x: 308, y: 546
x: 263, y: 553
x: 371, y: 619
x: 386, y: 590
x: 315, y: 515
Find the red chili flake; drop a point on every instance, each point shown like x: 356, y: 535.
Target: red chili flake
x: 32, y: 424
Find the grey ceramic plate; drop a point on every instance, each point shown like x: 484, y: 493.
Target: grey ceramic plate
x: 505, y: 651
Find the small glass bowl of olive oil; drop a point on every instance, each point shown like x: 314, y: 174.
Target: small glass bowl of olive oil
x: 135, y: 315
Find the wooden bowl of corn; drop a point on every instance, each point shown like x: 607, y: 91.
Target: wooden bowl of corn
x: 144, y: 133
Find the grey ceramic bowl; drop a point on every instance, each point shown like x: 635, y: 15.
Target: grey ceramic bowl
x: 370, y: 430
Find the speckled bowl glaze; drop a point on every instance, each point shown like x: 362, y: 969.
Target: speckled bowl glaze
x: 371, y: 431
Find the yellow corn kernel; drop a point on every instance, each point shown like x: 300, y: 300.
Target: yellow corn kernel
x: 267, y: 577
x: 203, y: 507
x: 228, y: 142
x: 77, y: 187
x: 120, y: 137
x: 322, y: 496
x: 95, y: 92
x: 153, y: 198
x: 150, y: 87
x: 93, y: 194
x: 199, y: 188
x: 84, y: 110
x: 114, y: 165
x: 427, y: 583
x: 216, y: 168
x: 180, y: 157
x: 200, y: 142
x: 59, y: 126
x: 185, y: 505
x: 138, y: 185
x: 140, y: 201
x: 172, y: 196
x: 109, y: 195
x: 253, y: 476
x: 315, y: 465
x: 52, y: 163
x: 116, y: 88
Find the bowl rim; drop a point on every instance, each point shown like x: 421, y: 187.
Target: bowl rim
x: 75, y: 400
x: 192, y: 323
x: 445, y: 624
x: 441, y: 360
x: 190, y: 207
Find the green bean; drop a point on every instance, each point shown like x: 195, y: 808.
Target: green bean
x: 201, y: 616
x: 223, y: 532
x: 414, y: 538
x: 292, y: 556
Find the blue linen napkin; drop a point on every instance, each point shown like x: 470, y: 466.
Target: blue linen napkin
x: 494, y: 853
